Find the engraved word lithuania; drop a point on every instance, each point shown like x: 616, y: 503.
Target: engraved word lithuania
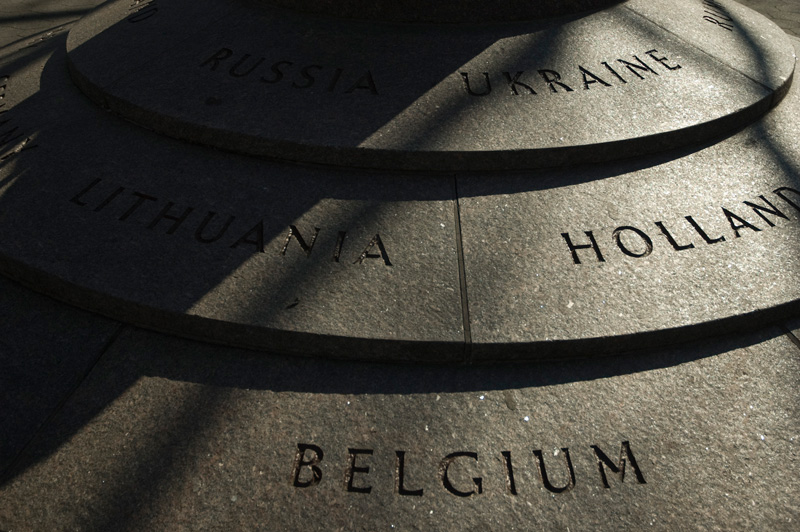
x: 207, y: 226
x: 411, y: 480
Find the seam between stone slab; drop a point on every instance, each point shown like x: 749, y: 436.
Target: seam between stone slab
x: 716, y: 59
x: 16, y: 46
x: 6, y: 474
x: 462, y: 274
x: 790, y: 335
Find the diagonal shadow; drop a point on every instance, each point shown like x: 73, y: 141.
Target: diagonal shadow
x: 222, y: 372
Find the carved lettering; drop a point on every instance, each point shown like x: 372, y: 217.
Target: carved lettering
x: 780, y: 192
x: 254, y: 237
x: 337, y: 251
x: 217, y: 58
x: 294, y: 233
x: 634, y: 242
x: 335, y: 80
x: 487, y: 84
x: 232, y: 231
x: 702, y: 233
x: 594, y: 79
x: 635, y: 68
x: 277, y: 72
x: 142, y: 10
x: 611, y: 69
x: 648, y: 244
x: 291, y: 74
x: 456, y: 471
x: 312, y: 464
x: 513, y: 82
x: 573, y: 248
x: 241, y: 68
x: 562, y: 80
x: 111, y: 197
x: 625, y: 457
x: 198, y: 234
x: 543, y: 472
x: 671, y: 239
x: 742, y: 223
x: 553, y: 78
x: 444, y: 467
x: 716, y: 14
x: 308, y: 77
x: 365, y: 82
x: 165, y: 215
x: 400, y: 477
x: 376, y: 241
x: 140, y: 200
x: 77, y: 198
x: 662, y: 60
x: 511, y: 486
x: 353, y: 469
x: 760, y: 210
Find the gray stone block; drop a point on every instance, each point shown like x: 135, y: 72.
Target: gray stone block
x: 264, y: 81
x: 637, y: 246
x: 46, y: 349
x: 94, y: 214
x: 169, y: 434
x: 444, y: 11
x: 380, y: 265
x: 749, y: 44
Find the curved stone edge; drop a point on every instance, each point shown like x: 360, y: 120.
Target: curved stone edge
x: 370, y: 349
x: 380, y: 159
x: 448, y: 11
x: 442, y: 161
x: 634, y: 342
x: 376, y: 350
x: 229, y: 333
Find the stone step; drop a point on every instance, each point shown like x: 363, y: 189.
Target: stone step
x: 373, y: 264
x: 639, y: 77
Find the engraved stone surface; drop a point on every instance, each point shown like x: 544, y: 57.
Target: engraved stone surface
x: 107, y: 426
x: 172, y: 235
x: 443, y: 11
x: 170, y: 434
x: 739, y: 38
x: 372, y: 264
x: 47, y: 350
x: 632, y: 246
x: 265, y: 81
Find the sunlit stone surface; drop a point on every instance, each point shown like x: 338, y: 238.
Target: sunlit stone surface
x: 630, y: 244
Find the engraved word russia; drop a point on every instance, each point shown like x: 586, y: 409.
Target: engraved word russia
x: 292, y: 74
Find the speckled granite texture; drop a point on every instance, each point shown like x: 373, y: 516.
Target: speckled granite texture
x: 108, y: 426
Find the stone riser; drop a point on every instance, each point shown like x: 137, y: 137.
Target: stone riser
x: 379, y: 265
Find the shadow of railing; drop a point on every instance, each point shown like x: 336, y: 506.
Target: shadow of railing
x: 220, y: 372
